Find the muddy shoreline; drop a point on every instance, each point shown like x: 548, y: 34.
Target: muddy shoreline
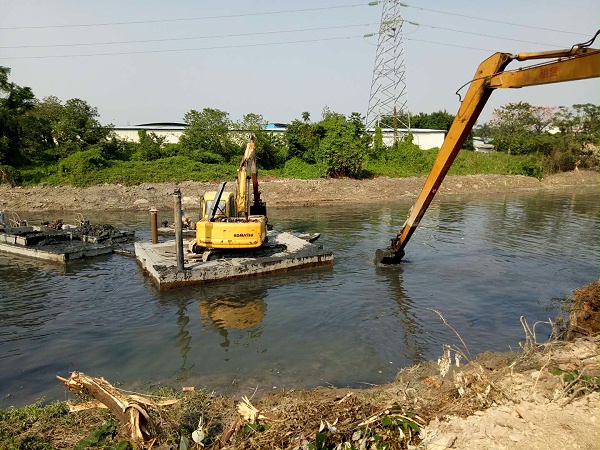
x: 282, y: 192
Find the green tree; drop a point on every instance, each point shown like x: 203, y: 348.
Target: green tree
x: 149, y: 146
x: 577, y: 143
x: 38, y: 129
x: 302, y: 140
x: 482, y: 131
x: 587, y: 115
x: 15, y: 102
x: 77, y: 128
x: 208, y: 131
x: 439, y: 120
x: 358, y: 122
x: 516, y: 128
x: 565, y: 120
x: 378, y: 145
x: 78, y: 123
x: 341, y: 152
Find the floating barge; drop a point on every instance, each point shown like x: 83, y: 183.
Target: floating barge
x: 282, y: 252
x: 61, y: 246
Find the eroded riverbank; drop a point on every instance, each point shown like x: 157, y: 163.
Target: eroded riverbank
x: 280, y: 192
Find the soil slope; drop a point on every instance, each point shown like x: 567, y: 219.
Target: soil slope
x: 278, y: 192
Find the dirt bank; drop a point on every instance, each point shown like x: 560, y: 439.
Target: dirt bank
x: 278, y: 192
x: 544, y: 396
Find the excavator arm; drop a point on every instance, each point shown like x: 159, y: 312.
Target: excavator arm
x: 248, y: 164
x: 577, y: 63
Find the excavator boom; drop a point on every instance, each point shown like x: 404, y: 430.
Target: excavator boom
x: 577, y: 63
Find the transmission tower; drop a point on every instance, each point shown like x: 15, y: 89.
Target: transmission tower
x: 387, y: 102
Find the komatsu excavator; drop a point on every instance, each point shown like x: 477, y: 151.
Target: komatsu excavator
x: 577, y: 63
x: 231, y: 221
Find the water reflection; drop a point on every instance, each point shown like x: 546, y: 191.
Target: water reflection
x: 411, y: 329
x: 184, y: 337
x: 482, y: 263
x: 233, y: 313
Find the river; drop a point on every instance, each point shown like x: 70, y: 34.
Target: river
x: 480, y: 263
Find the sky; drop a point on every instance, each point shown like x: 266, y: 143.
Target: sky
x: 152, y: 61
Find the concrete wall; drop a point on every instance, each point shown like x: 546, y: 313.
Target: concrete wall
x: 173, y: 133
x: 424, y: 138
x: 130, y: 133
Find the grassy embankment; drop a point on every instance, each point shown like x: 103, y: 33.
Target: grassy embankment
x: 407, y: 161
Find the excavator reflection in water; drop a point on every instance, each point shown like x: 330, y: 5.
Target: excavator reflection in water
x: 577, y: 63
x: 223, y: 315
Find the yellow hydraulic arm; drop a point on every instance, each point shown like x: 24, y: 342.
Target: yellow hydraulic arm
x: 578, y: 63
x: 243, y: 205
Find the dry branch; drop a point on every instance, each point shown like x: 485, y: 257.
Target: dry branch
x: 127, y: 408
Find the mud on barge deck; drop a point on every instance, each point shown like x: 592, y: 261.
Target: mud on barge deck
x: 61, y: 245
x: 283, y: 252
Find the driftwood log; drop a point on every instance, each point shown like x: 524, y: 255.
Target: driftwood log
x: 130, y: 409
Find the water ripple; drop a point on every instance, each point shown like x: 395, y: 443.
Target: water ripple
x: 482, y: 264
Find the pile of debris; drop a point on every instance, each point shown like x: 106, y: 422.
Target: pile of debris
x: 60, y: 242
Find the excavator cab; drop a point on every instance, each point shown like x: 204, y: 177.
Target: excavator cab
x: 225, y: 208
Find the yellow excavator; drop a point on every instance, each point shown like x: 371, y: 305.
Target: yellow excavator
x: 577, y: 63
x: 231, y: 221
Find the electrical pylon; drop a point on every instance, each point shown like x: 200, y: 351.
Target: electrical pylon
x: 388, y: 89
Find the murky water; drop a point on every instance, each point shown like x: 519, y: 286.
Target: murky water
x: 481, y: 263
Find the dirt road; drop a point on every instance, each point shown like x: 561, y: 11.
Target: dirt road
x: 278, y: 192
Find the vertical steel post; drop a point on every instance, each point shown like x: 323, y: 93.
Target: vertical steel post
x: 154, y: 224
x: 178, y: 228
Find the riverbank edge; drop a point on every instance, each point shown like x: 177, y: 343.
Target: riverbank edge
x: 284, y: 192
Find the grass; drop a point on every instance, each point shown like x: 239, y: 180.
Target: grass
x: 405, y: 161
x: 51, y: 426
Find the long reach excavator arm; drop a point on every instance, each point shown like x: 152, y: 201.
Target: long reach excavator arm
x: 578, y: 63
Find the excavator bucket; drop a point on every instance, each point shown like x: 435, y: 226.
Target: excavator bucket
x: 388, y: 256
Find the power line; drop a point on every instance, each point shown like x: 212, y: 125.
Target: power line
x: 184, y: 49
x: 451, y: 45
x: 477, y: 34
x: 222, y: 47
x: 224, y: 16
x: 492, y: 20
x: 565, y: 5
x: 217, y: 36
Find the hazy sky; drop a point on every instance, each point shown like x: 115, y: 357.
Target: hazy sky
x: 275, y: 58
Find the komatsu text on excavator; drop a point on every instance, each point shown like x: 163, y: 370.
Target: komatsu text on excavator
x: 577, y: 63
x: 231, y: 221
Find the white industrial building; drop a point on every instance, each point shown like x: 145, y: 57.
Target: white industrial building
x: 425, y: 138
x: 172, y: 131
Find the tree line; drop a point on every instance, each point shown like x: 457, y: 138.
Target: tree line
x: 49, y: 140
x: 567, y: 137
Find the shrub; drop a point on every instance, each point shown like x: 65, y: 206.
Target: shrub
x: 207, y: 157
x: 341, y: 152
x: 297, y: 168
x: 80, y: 167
